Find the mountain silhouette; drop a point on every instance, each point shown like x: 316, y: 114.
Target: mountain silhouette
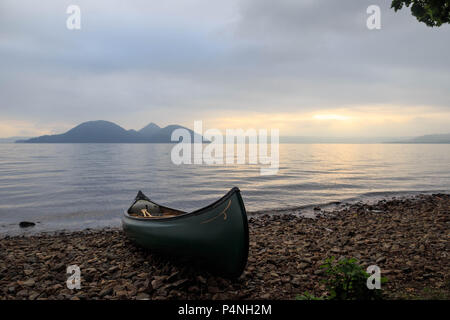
x: 430, y: 138
x: 108, y: 132
x: 149, y: 129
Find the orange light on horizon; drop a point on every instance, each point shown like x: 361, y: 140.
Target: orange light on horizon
x: 331, y: 117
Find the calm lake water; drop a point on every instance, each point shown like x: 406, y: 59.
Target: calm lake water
x: 75, y: 186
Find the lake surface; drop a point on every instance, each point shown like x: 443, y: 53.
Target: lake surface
x: 75, y: 186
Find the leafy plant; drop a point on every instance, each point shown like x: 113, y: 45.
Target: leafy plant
x: 347, y: 280
x: 433, y: 13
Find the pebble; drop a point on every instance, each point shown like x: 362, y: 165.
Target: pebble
x: 26, y: 224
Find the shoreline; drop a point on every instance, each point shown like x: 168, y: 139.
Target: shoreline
x: 406, y: 238
x: 304, y: 211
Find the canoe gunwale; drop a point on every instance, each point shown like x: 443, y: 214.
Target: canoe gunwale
x: 192, y: 213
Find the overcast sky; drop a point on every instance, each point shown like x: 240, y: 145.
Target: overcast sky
x: 309, y: 68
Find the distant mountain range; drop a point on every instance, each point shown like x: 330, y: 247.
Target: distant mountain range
x: 12, y: 139
x: 108, y: 132
x: 430, y: 138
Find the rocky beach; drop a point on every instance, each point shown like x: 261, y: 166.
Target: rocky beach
x: 408, y: 238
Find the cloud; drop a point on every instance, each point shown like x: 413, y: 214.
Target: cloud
x: 364, y: 121
x: 176, y: 61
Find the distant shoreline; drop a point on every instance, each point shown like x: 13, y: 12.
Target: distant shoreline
x: 101, y: 131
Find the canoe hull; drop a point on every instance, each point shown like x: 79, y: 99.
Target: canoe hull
x: 217, y: 235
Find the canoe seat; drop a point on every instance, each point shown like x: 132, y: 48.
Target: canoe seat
x: 149, y: 210
x: 150, y: 216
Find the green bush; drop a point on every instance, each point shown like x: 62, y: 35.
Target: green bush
x: 347, y: 280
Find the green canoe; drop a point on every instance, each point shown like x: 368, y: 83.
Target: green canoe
x: 216, y: 235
